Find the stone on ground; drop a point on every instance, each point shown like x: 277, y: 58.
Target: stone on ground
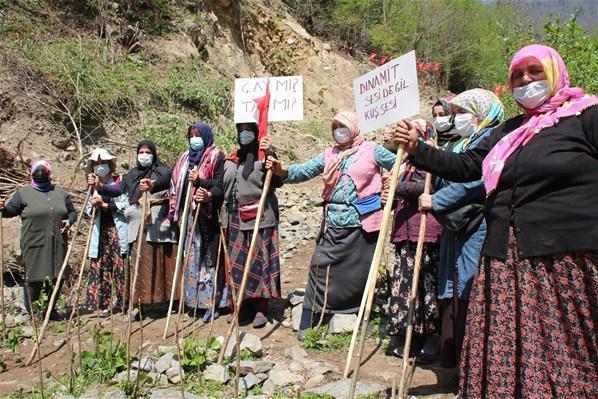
x: 247, y: 382
x: 255, y: 366
x: 268, y: 387
x: 341, y: 323
x: 283, y: 378
x: 171, y: 393
x: 296, y: 316
x: 340, y: 389
x: 146, y: 364
x: 296, y: 353
x: 165, y: 362
x: 216, y: 372
x: 252, y: 343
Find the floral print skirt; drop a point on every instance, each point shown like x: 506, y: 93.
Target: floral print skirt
x: 426, y: 315
x: 531, y: 327
x: 106, y: 279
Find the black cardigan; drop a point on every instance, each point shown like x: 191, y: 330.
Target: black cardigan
x: 548, y: 190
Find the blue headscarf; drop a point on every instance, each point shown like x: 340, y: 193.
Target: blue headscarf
x: 205, y: 132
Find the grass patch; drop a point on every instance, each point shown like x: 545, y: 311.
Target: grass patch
x: 321, y: 341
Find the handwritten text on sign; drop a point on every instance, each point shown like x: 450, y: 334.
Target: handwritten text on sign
x: 286, y: 98
x: 387, y: 94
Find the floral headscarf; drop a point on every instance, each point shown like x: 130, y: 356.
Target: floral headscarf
x: 484, y: 105
x: 350, y: 120
x: 564, y: 101
x: 43, y: 187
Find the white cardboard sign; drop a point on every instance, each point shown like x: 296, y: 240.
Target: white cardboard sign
x: 387, y: 94
x: 286, y: 98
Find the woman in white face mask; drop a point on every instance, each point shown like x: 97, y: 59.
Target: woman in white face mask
x: 108, y: 246
x: 350, y: 171
x: 531, y: 326
x: 158, y: 249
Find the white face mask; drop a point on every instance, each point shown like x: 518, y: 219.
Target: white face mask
x: 442, y: 123
x: 101, y: 170
x: 342, y: 135
x: 463, y: 125
x: 533, y: 94
x: 196, y: 143
x: 145, y: 160
x: 246, y: 137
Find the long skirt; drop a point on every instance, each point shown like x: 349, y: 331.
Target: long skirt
x: 156, y: 272
x: 263, y: 280
x: 106, y: 279
x: 531, y: 327
x: 200, y: 273
x: 349, y: 253
x: 426, y: 316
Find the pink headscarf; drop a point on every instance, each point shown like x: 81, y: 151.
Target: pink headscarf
x: 564, y: 101
x: 46, y: 166
x: 350, y: 120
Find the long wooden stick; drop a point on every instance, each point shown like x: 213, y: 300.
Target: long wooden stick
x: 403, y: 388
x: 56, y: 290
x: 78, y: 286
x: 37, y: 341
x: 2, y: 279
x: 75, y: 303
x: 248, y: 261
x: 186, y: 263
x: 140, y: 240
x: 179, y: 254
x: 372, y: 276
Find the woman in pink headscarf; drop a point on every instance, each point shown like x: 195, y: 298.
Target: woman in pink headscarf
x: 350, y: 172
x: 531, y: 327
x: 46, y: 213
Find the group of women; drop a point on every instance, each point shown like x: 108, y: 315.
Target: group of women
x: 509, y: 283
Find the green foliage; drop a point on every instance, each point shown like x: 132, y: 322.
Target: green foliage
x: 169, y: 132
x: 578, y: 49
x: 318, y: 340
x: 194, y: 356
x: 108, y: 357
x: 13, y: 338
x: 152, y: 16
x: 197, y: 385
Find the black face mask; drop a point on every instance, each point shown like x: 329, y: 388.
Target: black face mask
x: 40, y: 177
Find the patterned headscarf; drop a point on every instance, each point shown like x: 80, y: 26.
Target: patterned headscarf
x: 564, y: 101
x: 350, y: 120
x: 43, y: 187
x: 484, y: 105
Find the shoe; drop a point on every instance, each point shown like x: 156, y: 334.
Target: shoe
x: 259, y: 320
x: 104, y: 312
x: 395, y: 346
x: 165, y: 226
x: 301, y: 334
x: 207, y: 316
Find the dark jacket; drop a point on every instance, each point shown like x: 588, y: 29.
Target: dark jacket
x: 407, y: 216
x: 547, y: 189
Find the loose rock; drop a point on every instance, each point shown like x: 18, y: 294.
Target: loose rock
x: 295, y: 353
x: 340, y: 389
x: 247, y: 382
x: 296, y: 316
x: 165, y: 362
x: 268, y: 387
x: 255, y: 366
x: 216, y: 372
x: 342, y: 323
x: 283, y: 378
x: 146, y: 364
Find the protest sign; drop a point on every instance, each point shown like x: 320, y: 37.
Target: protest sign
x: 387, y: 94
x: 286, y: 101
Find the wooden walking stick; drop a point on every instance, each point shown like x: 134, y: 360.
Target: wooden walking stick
x: 248, y: 261
x: 403, y: 387
x: 2, y: 279
x: 54, y: 295
x: 140, y: 239
x: 56, y: 289
x: 185, y: 264
x: 179, y: 254
x: 372, y: 276
x: 37, y: 341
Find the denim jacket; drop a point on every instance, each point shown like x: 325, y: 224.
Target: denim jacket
x: 120, y: 221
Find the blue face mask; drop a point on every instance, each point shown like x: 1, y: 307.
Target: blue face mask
x: 196, y: 143
x: 246, y: 137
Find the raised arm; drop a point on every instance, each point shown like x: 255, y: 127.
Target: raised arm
x: 13, y: 207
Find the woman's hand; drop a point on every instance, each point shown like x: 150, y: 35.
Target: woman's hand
x: 97, y: 201
x: 432, y: 143
x: 388, y: 134
x: 94, y: 181
x: 277, y: 168
x: 64, y: 226
x: 2, y: 203
x: 193, y: 176
x: 203, y: 195
x: 385, y: 187
x: 146, y: 185
x: 425, y: 203
x: 265, y: 144
x: 404, y: 133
